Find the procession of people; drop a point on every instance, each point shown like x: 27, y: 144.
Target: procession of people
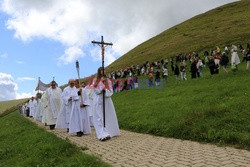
x: 77, y: 108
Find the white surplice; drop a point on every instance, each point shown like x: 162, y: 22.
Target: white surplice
x: 38, y: 111
x: 112, y: 128
x: 66, y: 108
x: 32, y: 107
x: 235, y: 58
x: 90, y: 92
x: 79, y: 120
x: 85, y: 112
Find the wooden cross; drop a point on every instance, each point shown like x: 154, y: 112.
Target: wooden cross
x: 102, y: 44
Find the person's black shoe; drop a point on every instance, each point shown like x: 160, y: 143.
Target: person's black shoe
x: 68, y: 130
x: 79, y: 134
x: 52, y: 127
x: 102, y: 139
x: 105, y: 138
x: 108, y: 137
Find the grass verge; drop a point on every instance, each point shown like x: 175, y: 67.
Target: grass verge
x: 24, y: 144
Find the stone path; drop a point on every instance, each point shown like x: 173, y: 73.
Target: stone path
x: 134, y: 149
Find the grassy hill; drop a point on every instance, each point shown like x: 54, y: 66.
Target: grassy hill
x: 210, y: 109
x: 222, y: 26
x: 5, y: 106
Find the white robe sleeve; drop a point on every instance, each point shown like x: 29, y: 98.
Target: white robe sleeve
x: 85, y: 96
x: 109, y: 92
x: 65, y: 96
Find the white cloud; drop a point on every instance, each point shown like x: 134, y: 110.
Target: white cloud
x: 19, y: 62
x: 71, y: 54
x: 76, y: 23
x: 4, y: 56
x: 9, y: 89
x: 24, y: 95
x: 25, y: 79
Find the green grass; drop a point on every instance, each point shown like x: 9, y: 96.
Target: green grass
x: 211, y: 109
x: 9, y: 106
x: 222, y: 26
x: 24, y: 144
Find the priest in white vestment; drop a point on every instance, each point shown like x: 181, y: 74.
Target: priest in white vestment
x: 38, y: 110
x: 53, y: 103
x: 32, y: 106
x: 66, y: 108
x: 45, y: 109
x: 79, y: 119
x: 111, y: 128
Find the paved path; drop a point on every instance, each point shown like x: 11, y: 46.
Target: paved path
x: 134, y: 149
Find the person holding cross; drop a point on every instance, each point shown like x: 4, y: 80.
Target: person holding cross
x: 109, y: 128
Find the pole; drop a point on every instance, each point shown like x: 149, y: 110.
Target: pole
x: 38, y: 84
x: 102, y: 45
x: 103, y: 93
x: 78, y: 73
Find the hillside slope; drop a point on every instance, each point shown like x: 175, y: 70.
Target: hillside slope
x: 212, y: 109
x: 6, y: 105
x: 228, y: 25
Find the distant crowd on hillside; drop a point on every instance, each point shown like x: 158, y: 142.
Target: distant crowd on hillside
x: 155, y: 72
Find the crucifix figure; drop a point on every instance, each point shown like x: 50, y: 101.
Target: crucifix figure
x: 102, y: 44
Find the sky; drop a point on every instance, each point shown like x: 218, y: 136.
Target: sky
x: 44, y: 38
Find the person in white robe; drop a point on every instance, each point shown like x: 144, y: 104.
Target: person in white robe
x: 66, y: 108
x: 32, y: 106
x: 45, y: 109
x: 37, y: 109
x: 53, y: 103
x: 27, y: 110
x: 111, y: 128
x: 90, y: 91
x: 235, y: 60
x: 79, y: 119
x: 86, y: 109
x: 24, y: 109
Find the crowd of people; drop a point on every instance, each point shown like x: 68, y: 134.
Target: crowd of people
x: 214, y: 60
x: 77, y: 107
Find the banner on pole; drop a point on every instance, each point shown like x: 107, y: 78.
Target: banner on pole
x: 42, y: 86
